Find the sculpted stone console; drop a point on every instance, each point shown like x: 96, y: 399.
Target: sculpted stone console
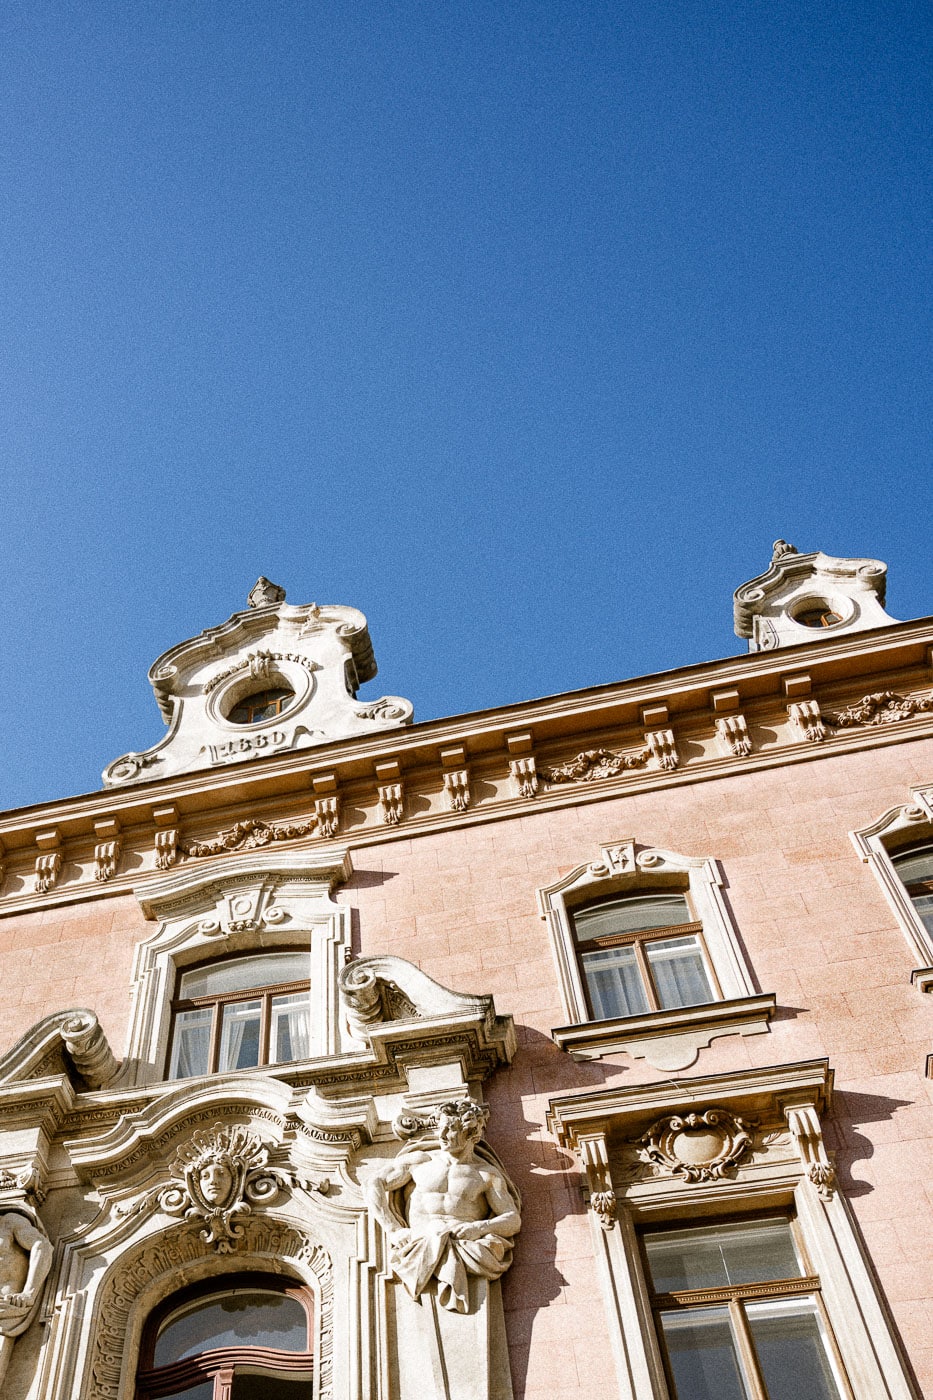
x: 450, y: 1214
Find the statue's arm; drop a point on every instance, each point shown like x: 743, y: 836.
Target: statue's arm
x: 40, y: 1260
x: 504, y: 1220
x: 390, y: 1177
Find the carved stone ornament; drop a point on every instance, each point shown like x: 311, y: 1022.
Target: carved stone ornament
x: 264, y: 593
x: 524, y: 775
x: 734, y: 740
x: 457, y: 788
x: 391, y: 803
x: 883, y: 707
x: 219, y: 1176
x: 593, y: 764
x: 696, y: 1146
x: 662, y: 746
x: 260, y: 666
x: 166, y: 848
x: 806, y: 716
x: 249, y: 834
x: 25, y: 1260
x: 48, y: 869
x: 447, y: 1205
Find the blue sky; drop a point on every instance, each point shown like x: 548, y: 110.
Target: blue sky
x: 523, y: 327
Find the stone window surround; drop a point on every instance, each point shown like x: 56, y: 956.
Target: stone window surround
x: 260, y: 901
x: 876, y: 844
x: 672, y: 1039
x: 787, y: 1170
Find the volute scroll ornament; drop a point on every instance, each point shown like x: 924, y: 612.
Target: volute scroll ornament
x: 703, y: 1146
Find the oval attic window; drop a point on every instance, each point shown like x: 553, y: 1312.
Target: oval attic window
x: 264, y: 704
x: 817, y: 615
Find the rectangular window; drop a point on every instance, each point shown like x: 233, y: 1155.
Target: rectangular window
x: 642, y: 953
x: 740, y: 1315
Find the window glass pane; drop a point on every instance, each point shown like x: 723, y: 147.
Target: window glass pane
x: 703, y: 1355
x: 203, y: 1391
x: 242, y: 974
x: 629, y: 914
x: 915, y: 865
x: 792, y: 1350
x: 722, y: 1255
x: 923, y: 903
x: 191, y: 1043
x: 243, y: 1317
x: 614, y: 983
x: 679, y: 973
x: 291, y: 1028
x: 239, y: 1035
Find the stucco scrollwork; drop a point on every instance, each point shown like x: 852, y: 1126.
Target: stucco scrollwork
x: 883, y: 707
x: 218, y: 1177
x: 447, y: 1205
x: 593, y: 764
x: 696, y: 1146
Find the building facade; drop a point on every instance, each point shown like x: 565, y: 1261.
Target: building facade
x: 581, y: 1046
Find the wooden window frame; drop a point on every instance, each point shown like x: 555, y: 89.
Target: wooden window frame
x: 218, y: 1000
x: 735, y: 1296
x: 636, y: 939
x: 278, y: 695
x: 221, y: 1364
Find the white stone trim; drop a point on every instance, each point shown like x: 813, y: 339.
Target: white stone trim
x: 779, y: 1169
x: 622, y: 867
x: 883, y: 838
x: 240, y: 904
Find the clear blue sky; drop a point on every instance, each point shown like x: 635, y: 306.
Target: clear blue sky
x: 524, y: 327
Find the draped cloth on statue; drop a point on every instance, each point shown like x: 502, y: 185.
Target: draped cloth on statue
x: 417, y: 1259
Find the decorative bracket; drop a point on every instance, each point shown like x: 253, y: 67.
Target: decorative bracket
x: 662, y: 747
x: 48, y: 869
x: 524, y: 775
x: 457, y: 788
x: 166, y: 848
x: 392, y: 803
x: 806, y: 716
x: 598, y: 1179
x: 734, y: 740
x: 327, y: 811
x: 804, y: 1122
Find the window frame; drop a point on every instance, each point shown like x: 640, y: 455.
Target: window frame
x: 784, y: 1169
x: 636, y: 939
x: 897, y: 831
x: 220, y: 1364
x: 217, y: 1001
x: 734, y: 1296
x: 667, y: 1039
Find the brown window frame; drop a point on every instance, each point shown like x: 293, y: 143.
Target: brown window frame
x: 221, y: 1364
x: 261, y: 699
x: 218, y: 1000
x: 636, y: 938
x: 734, y: 1296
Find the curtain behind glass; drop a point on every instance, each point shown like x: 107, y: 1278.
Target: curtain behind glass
x: 614, y: 983
x: 239, y: 1036
x: 191, y: 1043
x: 291, y: 1028
x: 679, y: 974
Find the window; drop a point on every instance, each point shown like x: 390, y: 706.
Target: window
x: 642, y: 953
x: 739, y: 1314
x: 915, y: 871
x: 248, y: 1341
x: 817, y: 615
x: 241, y: 1013
x: 265, y: 704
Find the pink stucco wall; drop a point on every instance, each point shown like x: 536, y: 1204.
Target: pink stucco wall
x: 461, y: 904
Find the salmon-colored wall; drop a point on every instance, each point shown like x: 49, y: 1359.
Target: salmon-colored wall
x: 818, y: 933
x: 461, y: 904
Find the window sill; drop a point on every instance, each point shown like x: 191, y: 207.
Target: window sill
x: 667, y: 1039
x: 922, y: 978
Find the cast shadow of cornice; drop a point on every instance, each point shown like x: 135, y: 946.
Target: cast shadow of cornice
x: 548, y: 1177
x: 853, y: 1110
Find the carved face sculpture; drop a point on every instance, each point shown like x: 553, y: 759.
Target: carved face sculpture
x: 456, y: 1132
x: 216, y: 1182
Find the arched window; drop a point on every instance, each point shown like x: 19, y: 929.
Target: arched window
x: 250, y: 1339
x: 641, y: 953
x: 241, y: 1012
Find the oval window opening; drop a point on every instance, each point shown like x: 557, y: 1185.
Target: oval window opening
x: 264, y: 704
